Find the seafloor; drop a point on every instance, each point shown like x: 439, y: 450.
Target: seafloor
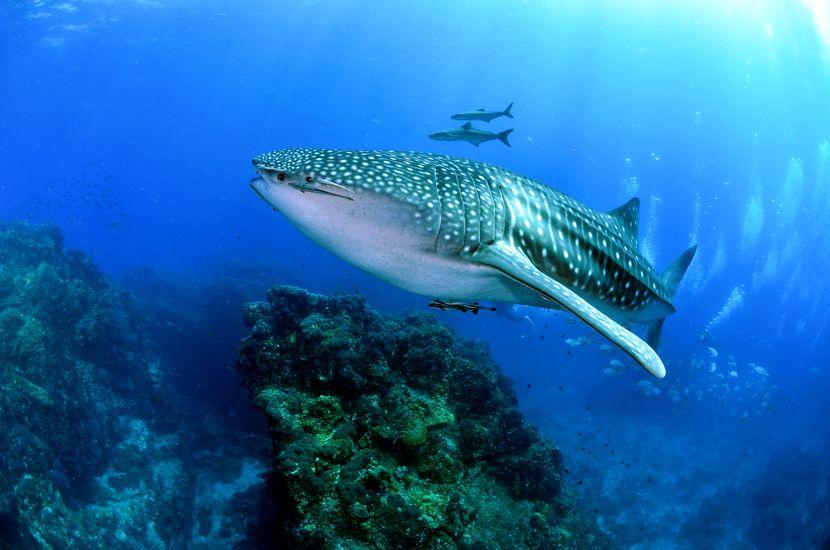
x: 120, y: 426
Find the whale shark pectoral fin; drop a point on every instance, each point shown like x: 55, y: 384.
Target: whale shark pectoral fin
x: 518, y: 267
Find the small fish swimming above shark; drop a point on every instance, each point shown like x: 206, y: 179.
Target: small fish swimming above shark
x: 482, y: 115
x: 463, y: 231
x: 469, y: 134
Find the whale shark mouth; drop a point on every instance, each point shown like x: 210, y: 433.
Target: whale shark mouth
x: 253, y: 183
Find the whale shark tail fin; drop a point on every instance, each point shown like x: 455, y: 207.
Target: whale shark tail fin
x: 503, y: 137
x: 671, y: 280
x: 507, y: 112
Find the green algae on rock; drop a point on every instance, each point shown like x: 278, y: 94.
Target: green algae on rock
x: 393, y: 433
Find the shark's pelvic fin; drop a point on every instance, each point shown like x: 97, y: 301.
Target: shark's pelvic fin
x: 628, y: 215
x: 653, y: 330
x: 518, y: 267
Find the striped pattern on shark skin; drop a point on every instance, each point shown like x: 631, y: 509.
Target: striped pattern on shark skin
x: 468, y: 209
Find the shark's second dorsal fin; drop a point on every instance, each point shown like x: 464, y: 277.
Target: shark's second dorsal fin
x: 628, y: 215
x: 467, y: 125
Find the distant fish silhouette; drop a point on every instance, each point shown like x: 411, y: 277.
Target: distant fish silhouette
x: 471, y: 135
x: 482, y: 115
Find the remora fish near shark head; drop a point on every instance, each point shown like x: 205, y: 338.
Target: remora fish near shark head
x: 456, y: 230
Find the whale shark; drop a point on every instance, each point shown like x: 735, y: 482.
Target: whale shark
x: 460, y: 230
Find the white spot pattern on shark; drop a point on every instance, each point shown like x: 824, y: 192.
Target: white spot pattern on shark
x: 474, y: 215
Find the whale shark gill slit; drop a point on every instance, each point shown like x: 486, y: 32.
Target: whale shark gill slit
x: 440, y: 214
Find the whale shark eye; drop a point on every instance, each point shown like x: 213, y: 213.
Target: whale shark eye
x: 309, y: 179
x: 281, y: 176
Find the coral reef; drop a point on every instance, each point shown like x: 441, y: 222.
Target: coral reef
x: 393, y: 433
x: 386, y: 432
x: 96, y: 452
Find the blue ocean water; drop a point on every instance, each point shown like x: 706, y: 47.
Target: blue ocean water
x: 131, y: 125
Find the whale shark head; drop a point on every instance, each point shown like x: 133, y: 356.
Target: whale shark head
x: 360, y: 205
x: 283, y: 174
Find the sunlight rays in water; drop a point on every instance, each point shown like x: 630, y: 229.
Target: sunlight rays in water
x: 820, y: 10
x: 753, y: 223
x: 649, y: 245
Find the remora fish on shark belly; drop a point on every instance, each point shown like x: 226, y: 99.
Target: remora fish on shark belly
x: 461, y: 230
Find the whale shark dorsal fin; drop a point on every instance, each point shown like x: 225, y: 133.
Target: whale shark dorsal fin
x: 468, y: 125
x: 628, y: 215
x: 515, y: 265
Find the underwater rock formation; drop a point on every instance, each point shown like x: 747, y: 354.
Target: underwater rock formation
x: 94, y: 450
x: 394, y: 433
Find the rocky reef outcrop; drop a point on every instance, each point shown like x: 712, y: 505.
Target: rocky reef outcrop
x: 94, y: 450
x: 385, y: 432
x: 394, y: 433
